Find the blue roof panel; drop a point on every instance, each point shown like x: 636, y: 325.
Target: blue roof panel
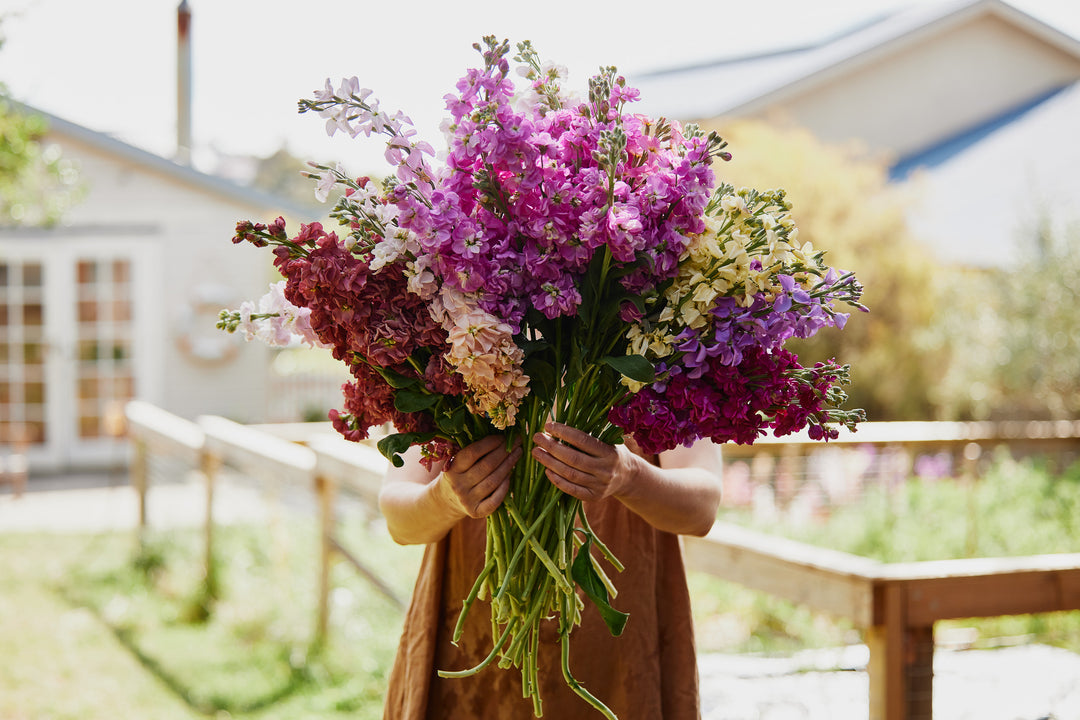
x: 948, y: 148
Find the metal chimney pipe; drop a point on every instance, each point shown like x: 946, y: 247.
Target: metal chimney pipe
x: 183, y: 84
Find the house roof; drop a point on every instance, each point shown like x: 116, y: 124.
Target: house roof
x: 979, y: 196
x: 213, y: 184
x: 745, y: 84
x: 976, y: 194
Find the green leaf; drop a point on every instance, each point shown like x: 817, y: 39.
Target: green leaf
x: 392, y: 445
x: 393, y: 379
x: 588, y: 580
x: 541, y: 376
x: 579, y: 351
x: 532, y: 346
x: 410, y: 401
x: 452, y: 423
x: 635, y: 367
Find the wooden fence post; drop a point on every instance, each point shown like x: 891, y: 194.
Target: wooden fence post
x: 140, y: 478
x: 327, y: 491
x: 901, y: 664
x: 211, y: 463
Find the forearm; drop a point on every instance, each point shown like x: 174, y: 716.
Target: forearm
x: 416, y: 513
x: 681, y: 500
x: 414, y: 502
x: 420, y: 506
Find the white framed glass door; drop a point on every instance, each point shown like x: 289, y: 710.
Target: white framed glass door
x: 23, y: 373
x: 104, y: 370
x: 69, y: 348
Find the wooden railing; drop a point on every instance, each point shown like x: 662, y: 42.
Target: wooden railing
x: 895, y: 604
x: 274, y: 454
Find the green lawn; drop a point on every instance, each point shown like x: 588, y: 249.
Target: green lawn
x: 89, y: 624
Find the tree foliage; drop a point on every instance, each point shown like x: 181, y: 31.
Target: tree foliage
x: 36, y: 183
x: 282, y: 174
x: 1020, y: 333
x: 1040, y: 372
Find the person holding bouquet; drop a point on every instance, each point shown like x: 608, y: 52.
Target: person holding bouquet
x: 638, y: 505
x: 569, y: 260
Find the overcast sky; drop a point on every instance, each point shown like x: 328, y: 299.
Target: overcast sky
x: 111, y: 64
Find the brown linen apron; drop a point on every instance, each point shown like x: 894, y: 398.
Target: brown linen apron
x: 649, y: 673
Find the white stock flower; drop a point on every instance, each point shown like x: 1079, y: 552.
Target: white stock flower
x: 327, y: 179
x: 247, y: 324
x: 421, y: 281
x: 276, y: 321
x: 385, y: 251
x: 385, y: 214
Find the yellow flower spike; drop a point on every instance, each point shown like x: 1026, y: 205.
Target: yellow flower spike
x: 661, y: 347
x: 690, y: 315
x: 705, y: 293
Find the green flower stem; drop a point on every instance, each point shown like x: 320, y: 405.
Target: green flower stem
x: 520, y: 550
x: 513, y: 654
x: 608, y: 555
x: 486, y: 661
x: 532, y: 674
x: 481, y: 579
x: 577, y: 687
x: 542, y: 554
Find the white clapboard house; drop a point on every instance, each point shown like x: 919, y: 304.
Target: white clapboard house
x: 976, y: 103
x: 120, y: 301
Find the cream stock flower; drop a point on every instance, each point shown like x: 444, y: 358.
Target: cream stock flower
x: 733, y: 204
x: 483, y: 351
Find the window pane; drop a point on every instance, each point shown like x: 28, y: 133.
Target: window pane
x: 88, y: 350
x: 89, y: 426
x: 33, y: 353
x: 34, y: 432
x: 35, y: 393
x: 88, y: 311
x: 87, y: 272
x: 124, y: 388
x: 32, y: 273
x: 122, y: 311
x: 33, y: 315
x: 88, y: 388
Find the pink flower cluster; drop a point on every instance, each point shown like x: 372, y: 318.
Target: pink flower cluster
x: 373, y: 324
x: 484, y: 355
x: 529, y: 197
x: 733, y: 402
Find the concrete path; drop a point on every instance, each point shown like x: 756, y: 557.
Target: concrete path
x: 1030, y: 682
x: 98, y: 503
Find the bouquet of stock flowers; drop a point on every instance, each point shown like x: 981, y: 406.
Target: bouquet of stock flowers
x: 566, y: 260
